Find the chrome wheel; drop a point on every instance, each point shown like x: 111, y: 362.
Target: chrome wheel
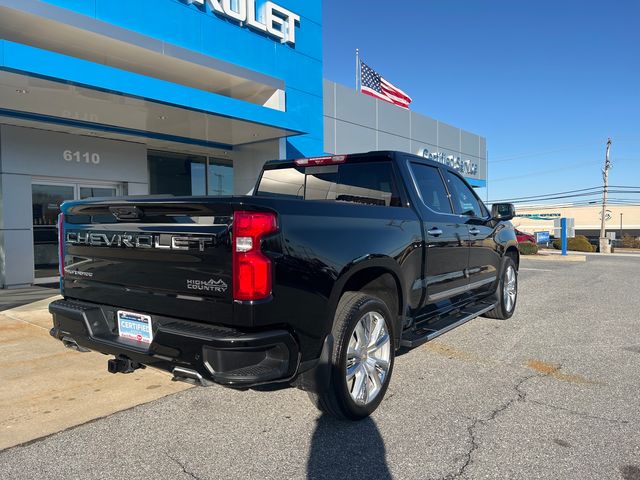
x: 509, y: 289
x: 368, y: 358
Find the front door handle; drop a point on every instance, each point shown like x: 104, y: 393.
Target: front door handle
x: 436, y: 232
x: 474, y: 231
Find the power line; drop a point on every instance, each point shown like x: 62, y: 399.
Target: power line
x: 568, y: 167
x: 547, y: 194
x: 568, y: 194
x: 595, y: 203
x: 540, y: 153
x: 545, y: 172
x: 577, y: 193
x: 560, y: 197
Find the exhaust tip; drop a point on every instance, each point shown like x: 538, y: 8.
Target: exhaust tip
x: 73, y: 345
x: 189, y: 376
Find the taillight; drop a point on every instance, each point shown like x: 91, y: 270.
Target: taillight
x: 310, y: 162
x: 61, y: 245
x: 251, y: 268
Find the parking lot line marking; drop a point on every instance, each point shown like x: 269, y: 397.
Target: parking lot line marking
x: 536, y: 269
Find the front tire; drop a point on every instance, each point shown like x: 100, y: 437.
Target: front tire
x: 506, y: 292
x: 362, y: 358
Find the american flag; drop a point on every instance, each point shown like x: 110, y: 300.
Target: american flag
x: 374, y: 85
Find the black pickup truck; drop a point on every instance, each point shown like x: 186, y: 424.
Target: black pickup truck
x: 315, y: 280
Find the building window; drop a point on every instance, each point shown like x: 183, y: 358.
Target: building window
x: 220, y: 177
x: 185, y: 175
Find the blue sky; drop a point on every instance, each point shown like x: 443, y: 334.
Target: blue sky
x: 545, y: 81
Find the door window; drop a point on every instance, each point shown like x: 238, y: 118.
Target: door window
x: 464, y: 200
x: 431, y: 188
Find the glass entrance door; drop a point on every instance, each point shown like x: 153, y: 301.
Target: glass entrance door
x: 46, y: 201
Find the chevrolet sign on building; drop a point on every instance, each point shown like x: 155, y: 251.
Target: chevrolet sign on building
x: 272, y: 19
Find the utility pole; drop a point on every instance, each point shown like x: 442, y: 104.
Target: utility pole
x: 357, y: 69
x: 604, y: 242
x: 487, y: 157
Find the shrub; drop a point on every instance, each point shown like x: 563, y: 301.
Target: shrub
x: 528, y: 248
x: 630, y: 242
x: 578, y: 244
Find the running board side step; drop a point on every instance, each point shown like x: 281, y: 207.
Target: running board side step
x: 414, y: 338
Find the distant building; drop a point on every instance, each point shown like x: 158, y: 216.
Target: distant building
x: 619, y: 220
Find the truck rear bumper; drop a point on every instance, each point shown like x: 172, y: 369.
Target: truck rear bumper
x: 192, y: 351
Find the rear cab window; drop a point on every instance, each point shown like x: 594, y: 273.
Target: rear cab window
x: 363, y: 182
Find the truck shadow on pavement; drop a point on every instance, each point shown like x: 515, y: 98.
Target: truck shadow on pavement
x: 347, y: 450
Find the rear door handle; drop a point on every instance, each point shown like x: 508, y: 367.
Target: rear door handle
x: 474, y: 231
x: 436, y: 232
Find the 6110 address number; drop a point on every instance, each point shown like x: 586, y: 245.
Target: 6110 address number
x: 81, y: 157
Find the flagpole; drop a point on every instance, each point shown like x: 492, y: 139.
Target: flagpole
x: 357, y: 69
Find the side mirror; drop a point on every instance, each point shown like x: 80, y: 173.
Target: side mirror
x: 503, y: 211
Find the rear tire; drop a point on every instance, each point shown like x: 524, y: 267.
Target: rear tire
x: 362, y: 358
x: 506, y: 292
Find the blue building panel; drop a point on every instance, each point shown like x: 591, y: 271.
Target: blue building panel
x: 197, y: 28
x: 22, y: 58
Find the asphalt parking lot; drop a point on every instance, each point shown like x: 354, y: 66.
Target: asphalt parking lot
x: 551, y: 393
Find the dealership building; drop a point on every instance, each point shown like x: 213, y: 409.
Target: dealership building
x: 183, y: 97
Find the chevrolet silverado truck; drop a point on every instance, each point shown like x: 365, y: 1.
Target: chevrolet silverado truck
x: 314, y: 280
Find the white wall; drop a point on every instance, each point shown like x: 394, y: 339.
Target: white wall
x: 31, y: 151
x: 248, y: 161
x: 16, y: 231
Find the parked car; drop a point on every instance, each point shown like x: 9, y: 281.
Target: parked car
x: 315, y: 280
x: 524, y: 236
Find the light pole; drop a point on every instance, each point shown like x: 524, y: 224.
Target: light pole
x: 604, y: 242
x: 620, y: 225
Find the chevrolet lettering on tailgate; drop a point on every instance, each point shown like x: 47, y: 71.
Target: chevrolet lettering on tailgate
x: 133, y: 240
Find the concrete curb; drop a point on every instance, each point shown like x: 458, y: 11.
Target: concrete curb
x: 601, y: 255
x: 554, y: 258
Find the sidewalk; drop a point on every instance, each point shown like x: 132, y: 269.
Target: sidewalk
x: 22, y: 296
x: 555, y: 256
x: 591, y: 254
x: 47, y: 388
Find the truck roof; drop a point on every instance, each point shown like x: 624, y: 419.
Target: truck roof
x: 371, y: 155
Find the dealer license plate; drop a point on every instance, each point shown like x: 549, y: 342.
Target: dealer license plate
x: 135, y: 326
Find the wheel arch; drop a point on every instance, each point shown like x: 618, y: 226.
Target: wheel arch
x: 513, y: 252
x: 380, y: 277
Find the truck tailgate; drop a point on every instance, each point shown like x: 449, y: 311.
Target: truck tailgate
x: 164, y: 257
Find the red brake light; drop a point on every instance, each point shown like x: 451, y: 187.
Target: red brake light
x: 310, y: 162
x: 251, y: 268
x: 61, y: 244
